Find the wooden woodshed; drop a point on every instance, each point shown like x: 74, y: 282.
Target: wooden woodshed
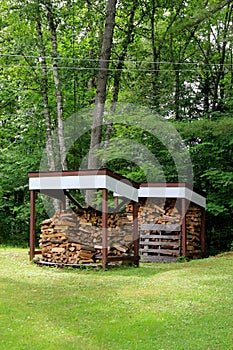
x: 162, y: 222
x: 171, y: 221
x: 60, y: 239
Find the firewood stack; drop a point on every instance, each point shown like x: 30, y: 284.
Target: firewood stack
x: 167, y: 245
x: 193, y: 229
x: 76, y: 238
x: 157, y: 211
x: 158, y: 245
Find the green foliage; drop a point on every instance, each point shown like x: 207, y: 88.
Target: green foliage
x: 182, y: 259
x: 177, y: 62
x: 211, y: 150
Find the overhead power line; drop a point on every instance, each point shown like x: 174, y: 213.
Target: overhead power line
x: 110, y: 69
x: 83, y: 59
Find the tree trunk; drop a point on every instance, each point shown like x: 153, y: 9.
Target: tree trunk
x: 177, y: 92
x: 118, y: 72
x: 44, y: 93
x: 176, y: 70
x: 100, y: 96
x: 59, y: 99
x: 219, y: 85
x: 155, y: 64
x: 128, y: 39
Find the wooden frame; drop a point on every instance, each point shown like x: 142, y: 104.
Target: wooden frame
x: 103, y: 177
x: 149, y: 246
x: 56, y: 184
x: 183, y: 193
x: 183, y: 229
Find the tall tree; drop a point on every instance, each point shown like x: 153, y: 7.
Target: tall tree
x: 127, y: 40
x: 101, y: 90
x: 44, y: 90
x: 57, y: 83
x: 218, y: 94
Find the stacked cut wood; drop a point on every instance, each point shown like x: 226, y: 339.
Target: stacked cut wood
x: 193, y: 230
x: 159, y: 243
x: 75, y: 238
x: 168, y: 212
x: 156, y: 211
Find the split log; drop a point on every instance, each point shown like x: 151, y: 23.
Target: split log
x: 74, y: 238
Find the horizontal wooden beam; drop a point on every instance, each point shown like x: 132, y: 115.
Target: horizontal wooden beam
x: 120, y: 258
x: 164, y: 251
x: 157, y: 258
x: 159, y: 243
x: 177, y: 237
x: 160, y: 227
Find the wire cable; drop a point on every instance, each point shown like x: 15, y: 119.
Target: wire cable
x: 79, y: 59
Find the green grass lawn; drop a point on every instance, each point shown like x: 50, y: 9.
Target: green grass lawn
x: 156, y: 306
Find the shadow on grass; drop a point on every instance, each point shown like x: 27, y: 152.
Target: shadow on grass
x: 143, y: 271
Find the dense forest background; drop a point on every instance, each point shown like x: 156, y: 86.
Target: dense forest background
x: 60, y: 57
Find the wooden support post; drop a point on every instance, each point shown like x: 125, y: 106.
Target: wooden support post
x: 32, y: 224
x: 183, y: 232
x: 105, y: 228
x: 135, y: 234
x: 63, y: 201
x: 115, y: 202
x: 203, y: 231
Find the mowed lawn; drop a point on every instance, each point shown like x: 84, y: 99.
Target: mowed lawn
x: 156, y: 306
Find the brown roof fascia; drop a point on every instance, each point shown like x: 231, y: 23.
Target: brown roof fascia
x: 84, y: 173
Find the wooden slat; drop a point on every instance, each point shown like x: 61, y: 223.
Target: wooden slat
x: 160, y: 236
x: 120, y: 258
x: 169, y: 244
x: 160, y: 227
x: 36, y: 252
x: 156, y: 258
x: 47, y: 263
x: 165, y: 251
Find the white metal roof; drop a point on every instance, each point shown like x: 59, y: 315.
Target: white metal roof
x: 103, y: 178
x: 172, y: 191
x: 83, y: 180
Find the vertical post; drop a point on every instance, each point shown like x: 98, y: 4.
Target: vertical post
x: 203, y: 231
x: 183, y: 234
x: 135, y: 234
x: 63, y: 200
x: 32, y: 224
x: 104, y: 228
x: 115, y: 202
